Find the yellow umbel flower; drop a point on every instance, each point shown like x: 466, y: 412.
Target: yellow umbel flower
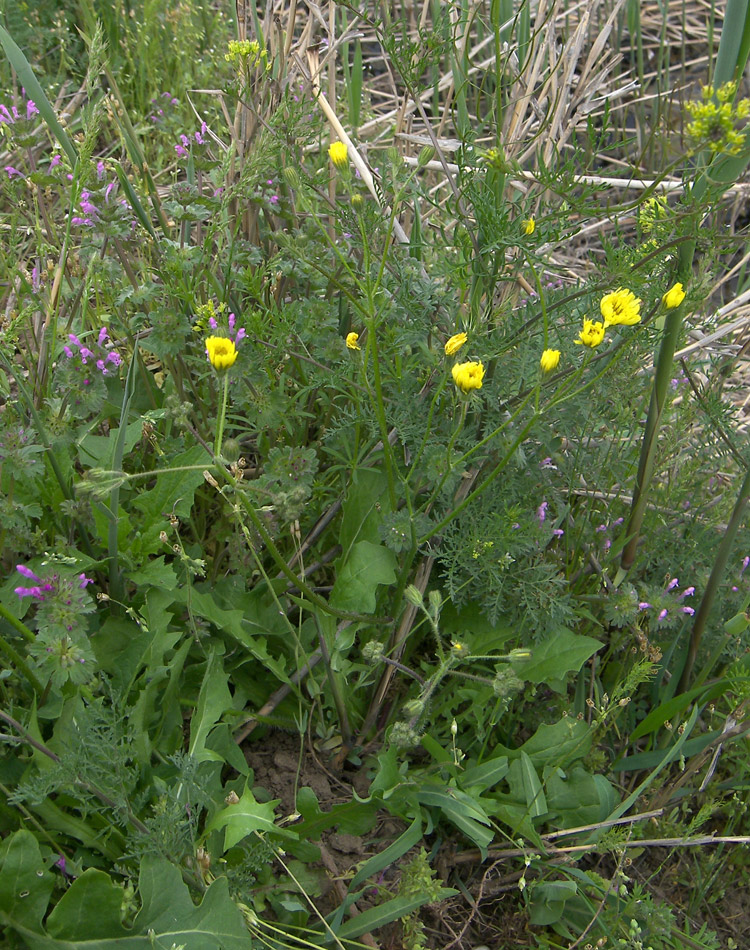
x: 455, y: 343
x: 529, y: 225
x: 221, y: 352
x: 339, y: 155
x: 715, y: 120
x: 674, y: 296
x: 351, y: 341
x: 621, y: 307
x: 549, y: 360
x: 468, y: 376
x: 592, y: 334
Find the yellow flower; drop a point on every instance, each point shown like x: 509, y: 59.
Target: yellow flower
x: 455, y: 343
x: 549, y: 360
x: 674, y: 296
x: 339, y: 155
x: 620, y: 307
x: 529, y: 225
x: 592, y: 334
x: 221, y: 352
x: 458, y: 649
x: 351, y: 341
x: 468, y: 376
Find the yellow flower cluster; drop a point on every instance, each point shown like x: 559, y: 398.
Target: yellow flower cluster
x: 247, y: 53
x: 221, y: 351
x: 715, y: 120
x: 352, y: 341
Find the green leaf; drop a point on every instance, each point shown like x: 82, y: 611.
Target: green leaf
x: 579, y: 798
x: 244, y: 818
x: 525, y: 785
x: 365, y: 503
x: 87, y: 917
x: 354, y: 817
x: 550, y: 661
x: 89, y: 910
x: 386, y: 913
x: 172, y: 493
x: 213, y: 701
x: 362, y: 572
x: 463, y: 811
x: 487, y: 774
x: 26, y: 883
x: 547, y: 901
x: 559, y: 744
x: 668, y: 710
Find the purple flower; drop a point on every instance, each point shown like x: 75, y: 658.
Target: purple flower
x: 558, y: 532
x: 31, y: 109
x: 100, y: 170
x: 13, y: 172
x: 688, y: 610
x: 5, y: 116
x: 85, y: 354
x: 182, y: 152
x: 240, y: 335
x: 663, y: 614
x: 212, y: 323
x: 232, y: 320
x: 28, y: 573
x: 688, y: 592
x: 114, y: 357
x: 745, y: 562
x: 618, y: 521
x: 74, y: 339
x: 602, y: 527
x: 673, y: 583
x: 55, y: 161
x: 103, y: 336
x: 644, y: 605
x: 108, y: 191
x: 84, y: 581
x: 68, y: 352
x: 541, y: 512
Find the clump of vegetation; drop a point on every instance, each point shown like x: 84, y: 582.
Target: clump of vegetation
x: 371, y: 390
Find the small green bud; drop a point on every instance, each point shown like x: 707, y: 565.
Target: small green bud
x: 413, y: 596
x: 231, y: 450
x: 435, y: 600
x: 357, y: 201
x: 415, y: 707
x: 425, y: 156
x: 737, y: 624
x: 291, y: 176
x: 372, y: 651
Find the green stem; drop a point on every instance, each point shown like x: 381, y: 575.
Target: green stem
x: 717, y: 573
x: 673, y: 326
x: 17, y: 624
x: 222, y: 416
x: 22, y: 665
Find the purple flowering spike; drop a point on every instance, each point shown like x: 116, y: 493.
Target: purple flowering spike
x: 241, y: 334
x: 55, y: 161
x: 100, y: 170
x: 232, y: 321
x: 31, y: 109
x: 103, y: 336
x: 35, y: 592
x: 74, y: 339
x: 212, y: 323
x: 28, y: 573
x: 182, y: 152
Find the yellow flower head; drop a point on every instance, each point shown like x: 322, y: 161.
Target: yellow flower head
x: 674, y: 296
x: 455, y: 343
x: 529, y: 225
x: 221, y: 352
x: 339, y: 155
x: 716, y: 118
x: 351, y: 341
x: 592, y: 334
x: 621, y: 307
x: 458, y: 648
x: 468, y: 376
x: 549, y: 360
